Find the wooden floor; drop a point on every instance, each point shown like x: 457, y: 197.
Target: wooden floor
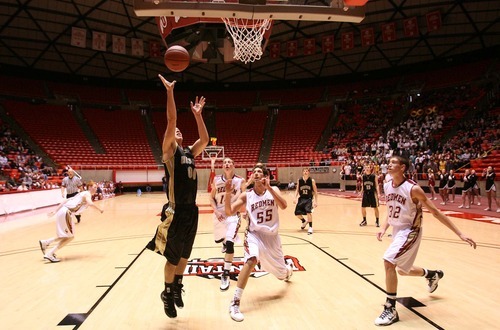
x: 106, y: 280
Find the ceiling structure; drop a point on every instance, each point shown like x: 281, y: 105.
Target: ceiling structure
x: 35, y: 37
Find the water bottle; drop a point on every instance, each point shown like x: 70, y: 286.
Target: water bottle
x: 139, y: 192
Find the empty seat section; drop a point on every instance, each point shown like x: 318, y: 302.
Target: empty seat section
x: 296, y: 135
x: 241, y: 135
x: 122, y: 135
x: 87, y: 94
x: 10, y: 85
x: 54, y: 129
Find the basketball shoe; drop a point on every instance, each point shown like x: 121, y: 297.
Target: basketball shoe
x: 289, y: 270
x: 310, y: 231
x: 432, y: 282
x: 51, y: 257
x: 224, y: 281
x: 388, y: 316
x: 234, y: 311
x: 168, y: 303
x: 178, y: 292
x: 362, y: 223
x: 43, y: 246
x: 303, y: 226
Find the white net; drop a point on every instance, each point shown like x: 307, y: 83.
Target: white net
x: 247, y: 37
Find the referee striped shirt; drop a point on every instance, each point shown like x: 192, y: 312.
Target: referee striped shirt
x: 71, y: 184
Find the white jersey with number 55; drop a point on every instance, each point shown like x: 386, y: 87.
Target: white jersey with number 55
x: 262, y: 212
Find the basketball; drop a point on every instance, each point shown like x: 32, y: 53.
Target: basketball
x: 176, y: 58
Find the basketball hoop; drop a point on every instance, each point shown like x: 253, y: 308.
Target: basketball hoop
x: 247, y: 36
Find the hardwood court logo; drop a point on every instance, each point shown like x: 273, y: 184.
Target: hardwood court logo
x: 214, y: 267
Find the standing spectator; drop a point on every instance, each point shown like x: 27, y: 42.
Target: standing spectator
x: 164, y: 183
x: 451, y: 186
x: 380, y: 182
x: 404, y: 205
x: 345, y: 174
x: 466, y: 190
x: 475, y: 187
x: 175, y: 236
x: 431, y: 181
x: 383, y: 167
x: 119, y: 188
x: 359, y: 183
x: 443, y: 183
x: 491, y: 189
x: 70, y: 186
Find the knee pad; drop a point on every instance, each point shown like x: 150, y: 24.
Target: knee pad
x: 229, y: 247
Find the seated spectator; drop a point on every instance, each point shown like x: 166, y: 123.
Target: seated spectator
x: 98, y: 194
x: 119, y: 188
x: 27, y: 180
x: 11, y: 183
x: 22, y: 187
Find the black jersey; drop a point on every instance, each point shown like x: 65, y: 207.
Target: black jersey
x: 451, y: 181
x: 490, y: 180
x: 473, y: 179
x: 443, y: 181
x: 305, y: 188
x: 182, y: 179
x: 369, y: 183
x: 467, y: 182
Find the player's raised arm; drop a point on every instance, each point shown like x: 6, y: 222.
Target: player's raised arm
x: 275, y: 192
x: 202, y: 142
x: 169, y: 144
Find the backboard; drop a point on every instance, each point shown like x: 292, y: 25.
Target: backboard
x: 213, y: 151
x: 249, y: 22
x: 297, y: 10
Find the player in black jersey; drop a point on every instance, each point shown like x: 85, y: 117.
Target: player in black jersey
x: 175, y: 236
x: 305, y: 192
x: 370, y: 192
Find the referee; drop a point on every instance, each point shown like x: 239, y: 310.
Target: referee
x: 70, y: 186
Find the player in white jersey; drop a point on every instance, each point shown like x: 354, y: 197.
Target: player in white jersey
x: 404, y: 199
x: 226, y: 227
x: 262, y: 241
x: 65, y: 212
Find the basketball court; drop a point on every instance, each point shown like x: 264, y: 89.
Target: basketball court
x: 107, y: 280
